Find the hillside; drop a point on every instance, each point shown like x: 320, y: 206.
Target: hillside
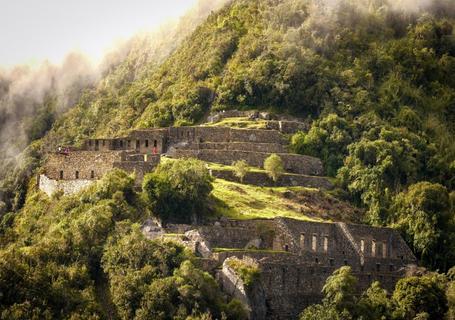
x: 376, y: 79
x: 372, y: 79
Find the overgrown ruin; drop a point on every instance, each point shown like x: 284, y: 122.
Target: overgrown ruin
x: 142, y: 150
x: 294, y: 257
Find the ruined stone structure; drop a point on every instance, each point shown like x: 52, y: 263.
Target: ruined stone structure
x: 141, y: 150
x: 284, y: 124
x: 296, y: 257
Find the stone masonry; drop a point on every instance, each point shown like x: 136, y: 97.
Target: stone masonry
x: 296, y: 257
x: 141, y: 150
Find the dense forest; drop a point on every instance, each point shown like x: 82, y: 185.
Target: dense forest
x: 374, y: 77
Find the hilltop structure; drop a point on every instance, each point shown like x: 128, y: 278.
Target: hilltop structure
x: 142, y: 150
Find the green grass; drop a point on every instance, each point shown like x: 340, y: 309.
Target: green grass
x: 222, y: 167
x: 239, y: 122
x: 239, y: 201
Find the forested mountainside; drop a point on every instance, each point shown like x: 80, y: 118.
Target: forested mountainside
x: 32, y: 100
x: 374, y: 77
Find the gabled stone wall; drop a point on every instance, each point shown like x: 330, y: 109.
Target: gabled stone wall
x: 80, y: 165
x: 296, y: 257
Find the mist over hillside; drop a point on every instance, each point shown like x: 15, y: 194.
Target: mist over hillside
x: 32, y: 98
x: 374, y: 81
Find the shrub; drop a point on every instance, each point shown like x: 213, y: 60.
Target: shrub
x: 178, y: 190
x: 241, y: 169
x: 249, y: 272
x: 274, y: 166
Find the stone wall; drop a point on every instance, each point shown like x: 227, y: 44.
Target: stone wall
x: 82, y: 165
x: 141, y: 141
x: 140, y: 168
x: 232, y: 146
x: 296, y: 257
x: 285, y: 180
x: 50, y: 186
x: 287, y: 127
x: 293, y: 163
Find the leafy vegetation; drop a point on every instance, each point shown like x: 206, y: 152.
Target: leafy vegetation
x: 83, y: 257
x: 415, y: 297
x: 241, y: 168
x: 273, y: 165
x: 249, y: 272
x: 178, y: 190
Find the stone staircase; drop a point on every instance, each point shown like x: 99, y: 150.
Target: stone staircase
x: 344, y: 229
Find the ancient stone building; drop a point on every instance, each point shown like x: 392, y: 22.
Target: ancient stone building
x: 141, y: 150
x: 296, y: 257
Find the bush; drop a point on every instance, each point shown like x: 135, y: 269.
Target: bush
x: 178, y: 190
x: 248, y: 272
x: 274, y: 166
x: 241, y: 169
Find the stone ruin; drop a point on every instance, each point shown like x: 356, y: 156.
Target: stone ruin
x: 142, y: 150
x: 295, y: 258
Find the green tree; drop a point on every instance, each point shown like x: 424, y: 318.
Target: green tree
x: 379, y: 165
x: 425, y: 215
x: 274, y: 166
x: 241, y: 169
x: 340, y: 289
x: 178, y: 190
x: 415, y: 296
x: 375, y: 303
x: 327, y: 139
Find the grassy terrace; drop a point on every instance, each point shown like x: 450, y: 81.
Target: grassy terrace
x: 239, y: 122
x: 217, y: 166
x: 239, y: 201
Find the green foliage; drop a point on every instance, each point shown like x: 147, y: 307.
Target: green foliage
x: 320, y: 312
x: 274, y: 166
x: 42, y: 121
x: 451, y: 300
x: 415, y: 297
x: 419, y: 295
x: 425, y: 215
x: 327, y: 140
x: 340, y: 288
x: 248, y: 272
x: 240, y: 169
x: 380, y: 164
x: 178, y: 190
x: 81, y: 257
x: 157, y: 280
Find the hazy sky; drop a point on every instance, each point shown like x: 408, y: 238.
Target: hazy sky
x: 35, y: 30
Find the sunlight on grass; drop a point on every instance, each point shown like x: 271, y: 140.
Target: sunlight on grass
x: 239, y: 122
x: 238, y: 201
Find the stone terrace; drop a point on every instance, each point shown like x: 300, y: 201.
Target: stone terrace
x: 141, y: 150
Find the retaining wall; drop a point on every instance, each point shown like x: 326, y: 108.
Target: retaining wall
x: 293, y: 163
x: 285, y: 180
